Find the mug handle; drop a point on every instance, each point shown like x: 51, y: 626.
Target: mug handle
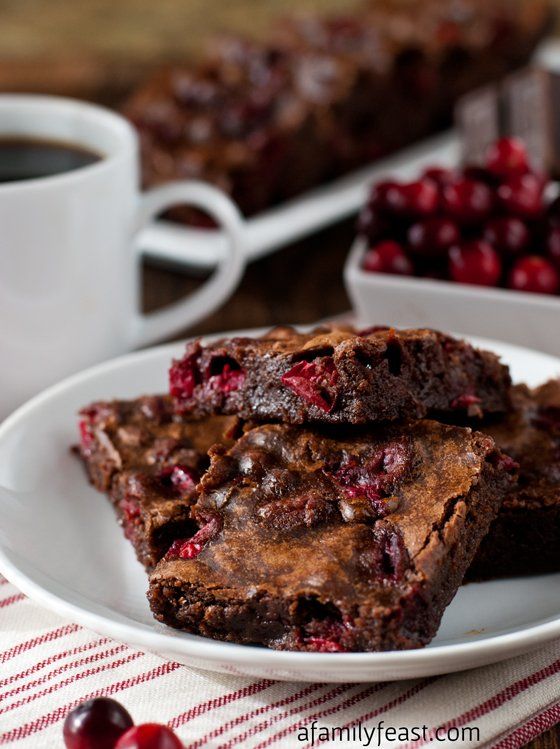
x: 149, y: 328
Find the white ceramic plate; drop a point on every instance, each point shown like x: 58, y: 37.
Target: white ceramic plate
x: 60, y: 544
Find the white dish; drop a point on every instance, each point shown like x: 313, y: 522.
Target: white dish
x: 60, y: 545
x: 404, y: 301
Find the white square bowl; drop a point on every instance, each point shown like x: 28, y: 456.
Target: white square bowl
x: 403, y: 301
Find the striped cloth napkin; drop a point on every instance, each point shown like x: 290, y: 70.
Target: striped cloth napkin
x: 49, y: 665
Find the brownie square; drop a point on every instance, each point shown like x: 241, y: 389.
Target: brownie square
x: 148, y: 462
x: 525, y: 537
x: 334, y: 375
x: 312, y: 541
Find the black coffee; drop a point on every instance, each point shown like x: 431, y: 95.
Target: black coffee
x: 26, y: 158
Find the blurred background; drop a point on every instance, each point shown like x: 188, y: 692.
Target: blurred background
x: 99, y: 49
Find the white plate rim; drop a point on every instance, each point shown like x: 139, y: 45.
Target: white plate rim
x: 492, y: 648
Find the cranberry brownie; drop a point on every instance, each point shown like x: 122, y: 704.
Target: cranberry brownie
x: 148, y: 462
x: 315, y: 542
x: 337, y: 376
x: 525, y: 537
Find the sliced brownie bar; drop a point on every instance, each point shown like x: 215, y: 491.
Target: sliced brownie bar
x: 312, y: 542
x: 148, y: 462
x: 337, y: 376
x: 525, y: 537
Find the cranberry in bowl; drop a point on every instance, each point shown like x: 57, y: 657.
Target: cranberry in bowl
x: 473, y: 249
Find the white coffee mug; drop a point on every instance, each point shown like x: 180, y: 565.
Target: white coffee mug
x: 69, y: 263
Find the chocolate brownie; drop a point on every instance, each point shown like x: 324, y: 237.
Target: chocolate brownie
x: 313, y: 542
x: 525, y: 537
x: 148, y: 462
x: 265, y: 121
x: 337, y: 376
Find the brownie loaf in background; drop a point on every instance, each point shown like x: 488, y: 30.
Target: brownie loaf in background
x: 265, y: 121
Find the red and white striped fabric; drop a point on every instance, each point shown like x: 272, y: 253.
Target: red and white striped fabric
x: 48, y: 665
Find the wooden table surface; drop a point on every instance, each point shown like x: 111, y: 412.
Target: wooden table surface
x: 49, y: 52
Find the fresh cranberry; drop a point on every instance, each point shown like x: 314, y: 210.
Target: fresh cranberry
x: 149, y: 736
x: 534, y: 273
x: 386, y: 196
x: 387, y: 257
x: 507, y: 157
x: 553, y: 212
x: 421, y: 198
x: 314, y: 381
x: 467, y: 201
x: 439, y: 175
x: 507, y: 234
x: 432, y: 237
x: 522, y: 195
x: 372, y: 224
x: 96, y: 724
x: 191, y: 547
x: 552, y: 245
x: 475, y: 262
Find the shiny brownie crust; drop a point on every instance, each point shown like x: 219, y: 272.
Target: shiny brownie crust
x: 525, y: 537
x: 148, y: 462
x: 313, y: 542
x: 336, y: 376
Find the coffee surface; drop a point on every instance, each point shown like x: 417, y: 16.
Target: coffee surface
x: 26, y: 158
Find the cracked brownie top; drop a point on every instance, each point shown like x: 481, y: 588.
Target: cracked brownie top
x: 309, y: 541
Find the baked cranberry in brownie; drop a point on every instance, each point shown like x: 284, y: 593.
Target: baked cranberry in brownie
x: 337, y: 376
x: 149, y: 462
x: 525, y: 537
x: 308, y: 541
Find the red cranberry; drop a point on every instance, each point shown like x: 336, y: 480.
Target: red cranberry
x: 439, y: 175
x: 433, y: 237
x: 314, y: 381
x: 191, y: 547
x: 507, y: 234
x: 553, y: 245
x: 534, y: 273
x: 522, y: 195
x: 467, y: 201
x: 387, y: 257
x: 372, y: 224
x: 386, y: 196
x: 183, y: 377
x: 553, y: 212
x: 507, y: 157
x: 475, y: 262
x: 149, y: 736
x: 96, y: 724
x: 421, y: 198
